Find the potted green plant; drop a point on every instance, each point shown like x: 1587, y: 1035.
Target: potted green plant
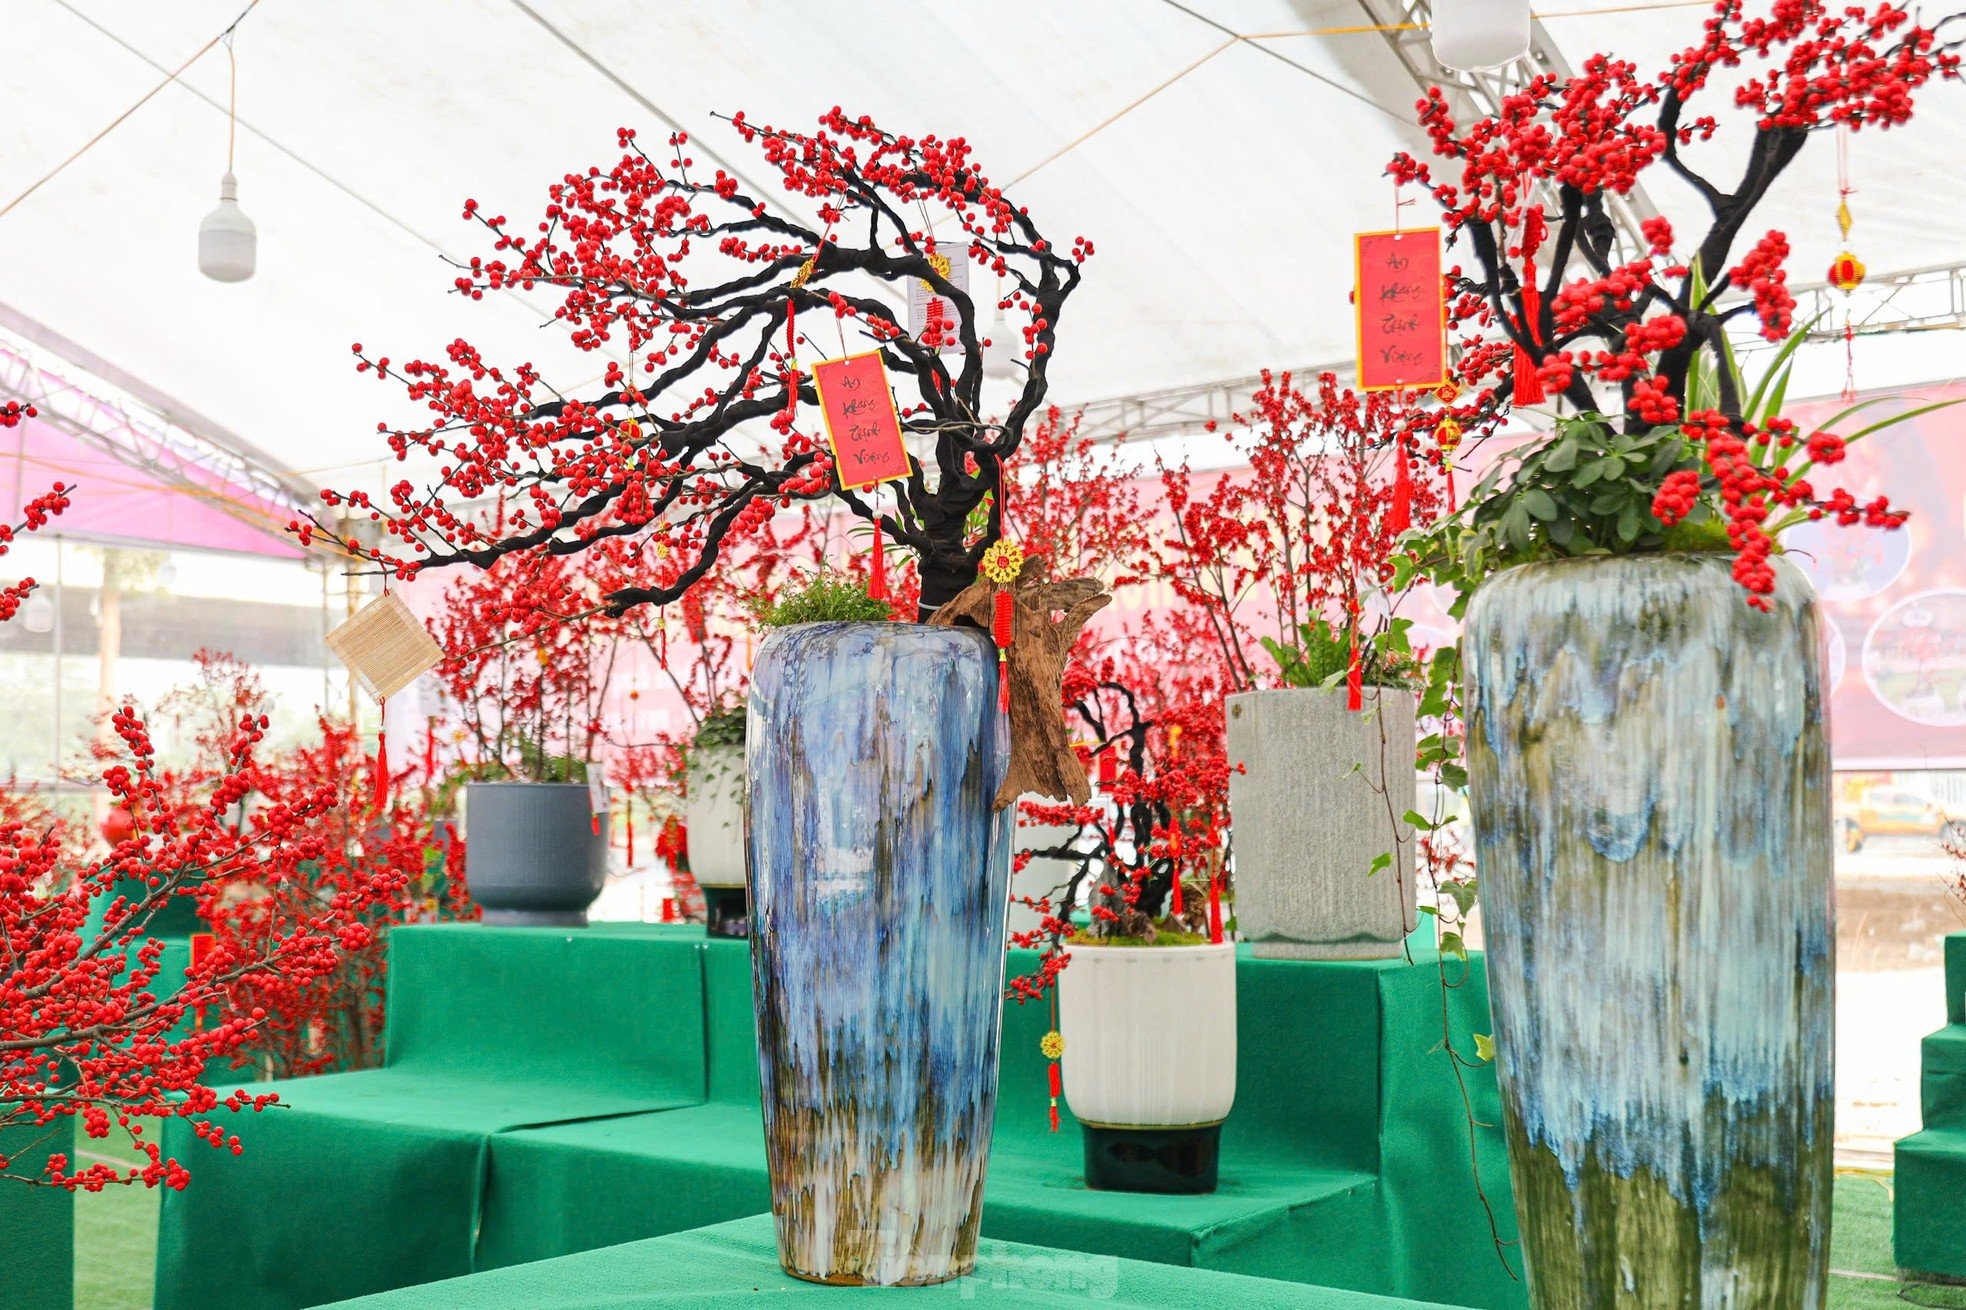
x: 1643, y: 687
x: 526, y: 688
x: 714, y: 818
x: 1287, y: 568
x: 1145, y: 868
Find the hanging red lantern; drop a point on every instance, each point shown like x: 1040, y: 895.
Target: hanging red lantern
x: 1846, y: 272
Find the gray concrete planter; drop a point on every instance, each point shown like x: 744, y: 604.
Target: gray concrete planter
x: 714, y: 816
x: 1309, y: 815
x: 531, y: 854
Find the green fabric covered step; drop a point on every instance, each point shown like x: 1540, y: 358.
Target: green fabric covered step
x: 1942, y: 1086
x: 37, y: 1224
x: 715, y: 1266
x: 1929, y: 1220
x: 365, y: 1181
x: 1346, y: 1161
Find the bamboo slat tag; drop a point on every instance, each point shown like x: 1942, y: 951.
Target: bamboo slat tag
x: 384, y: 646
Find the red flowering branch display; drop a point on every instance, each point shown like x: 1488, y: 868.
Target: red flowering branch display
x: 1299, y: 550
x: 1149, y: 855
x: 1559, y: 307
x: 395, y: 860
x: 88, y: 1028
x: 528, y: 668
x: 711, y: 295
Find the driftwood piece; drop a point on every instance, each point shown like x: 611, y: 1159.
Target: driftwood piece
x: 1046, y: 619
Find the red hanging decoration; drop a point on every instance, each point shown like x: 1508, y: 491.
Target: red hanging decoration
x: 877, y: 571
x: 382, y: 756
x: 1215, y: 910
x: 1052, y: 1046
x: 1002, y: 563
x: 1399, y: 516
x: 1174, y: 904
x: 430, y: 753
x: 1355, y: 676
x: 1529, y: 382
x: 629, y: 816
x: 1109, y: 768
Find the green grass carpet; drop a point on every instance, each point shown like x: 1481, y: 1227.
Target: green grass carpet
x: 116, y: 1235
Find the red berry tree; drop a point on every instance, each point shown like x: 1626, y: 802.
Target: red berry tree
x: 1557, y: 302
x: 708, y: 294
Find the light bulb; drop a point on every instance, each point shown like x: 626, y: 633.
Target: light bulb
x: 1001, y: 357
x: 1470, y: 35
x: 227, y: 239
x: 38, y: 614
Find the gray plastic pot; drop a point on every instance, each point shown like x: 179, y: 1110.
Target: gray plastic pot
x: 531, y: 853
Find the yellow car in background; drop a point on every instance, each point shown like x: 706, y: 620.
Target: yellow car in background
x: 1895, y: 812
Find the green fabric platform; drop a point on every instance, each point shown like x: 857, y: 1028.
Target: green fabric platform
x: 714, y: 1266
x: 37, y: 1224
x: 1346, y: 1161
x: 365, y: 1181
x: 1929, y: 1231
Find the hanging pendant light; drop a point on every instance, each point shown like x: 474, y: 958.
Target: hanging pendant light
x: 227, y: 239
x: 1471, y: 35
x: 228, y: 243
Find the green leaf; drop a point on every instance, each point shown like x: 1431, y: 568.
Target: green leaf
x: 1454, y: 776
x: 1588, y: 474
x: 1451, y: 944
x: 1415, y: 819
x: 1380, y: 862
x: 1538, y: 503
x: 1562, y: 457
x: 1484, y: 1047
x: 1631, y: 522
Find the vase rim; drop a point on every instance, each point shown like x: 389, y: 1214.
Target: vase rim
x: 521, y: 782
x: 1145, y: 951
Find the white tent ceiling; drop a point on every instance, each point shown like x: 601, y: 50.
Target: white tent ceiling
x: 1221, y: 205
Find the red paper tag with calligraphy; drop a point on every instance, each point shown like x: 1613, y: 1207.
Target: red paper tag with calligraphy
x: 861, y: 420
x: 1402, y: 310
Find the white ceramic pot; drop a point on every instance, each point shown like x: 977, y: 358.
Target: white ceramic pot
x: 1150, y: 1101
x: 714, y: 816
x: 1123, y: 1067
x: 1310, y: 814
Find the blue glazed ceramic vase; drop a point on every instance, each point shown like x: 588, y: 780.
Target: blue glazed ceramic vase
x: 879, y: 877
x: 1651, y: 791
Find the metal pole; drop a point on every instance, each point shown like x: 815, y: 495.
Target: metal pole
x: 60, y: 554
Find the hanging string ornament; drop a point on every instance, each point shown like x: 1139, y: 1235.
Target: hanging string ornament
x: 1002, y: 563
x: 1846, y: 271
x: 1052, y: 1046
x: 1528, y: 381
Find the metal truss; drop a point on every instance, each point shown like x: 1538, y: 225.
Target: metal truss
x: 1176, y: 410
x: 87, y: 404
x: 1915, y: 300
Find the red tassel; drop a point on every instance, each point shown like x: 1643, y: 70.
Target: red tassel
x: 1399, y: 517
x: 1003, y: 684
x: 1449, y: 471
x: 1057, y: 1087
x: 1002, y: 617
x: 1355, y: 677
x: 430, y: 753
x: 382, y: 757
x: 1054, y: 1115
x: 1174, y: 901
x: 594, y: 823
x: 1215, y: 910
x: 1528, y: 382
x: 877, y: 573
x: 630, y: 816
